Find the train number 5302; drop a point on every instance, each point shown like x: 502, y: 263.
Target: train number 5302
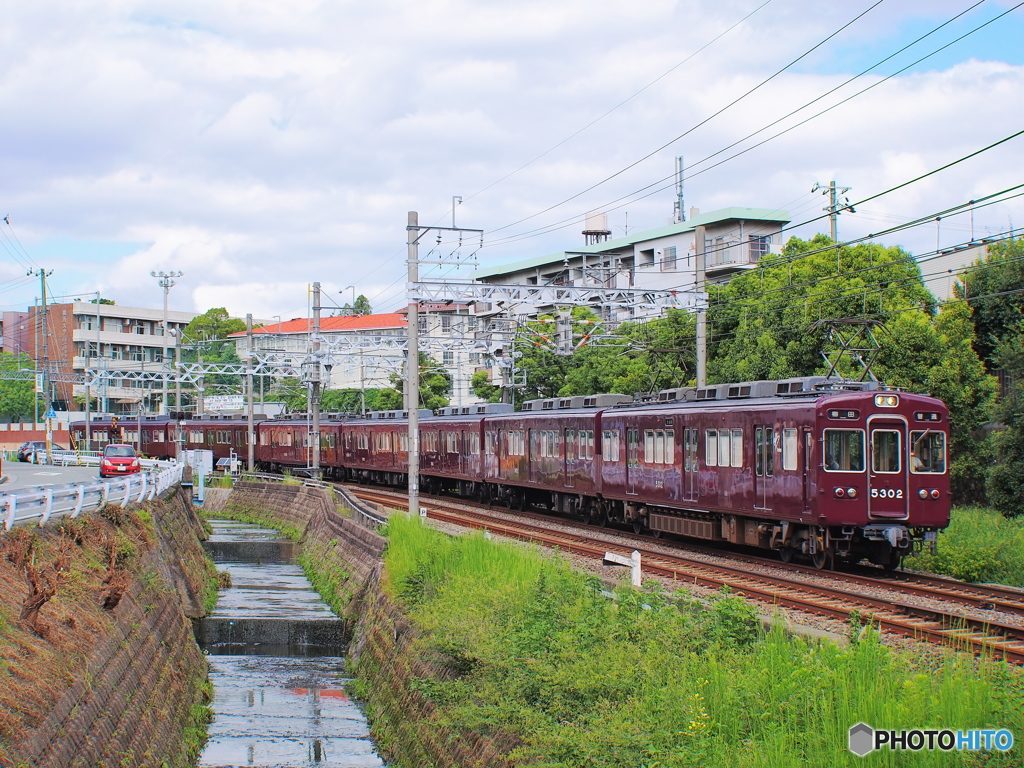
x: 886, y: 493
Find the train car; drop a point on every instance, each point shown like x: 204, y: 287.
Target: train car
x: 153, y: 436
x: 805, y: 466
x: 546, y: 455
x: 376, y: 448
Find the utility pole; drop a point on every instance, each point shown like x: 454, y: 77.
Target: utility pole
x: 250, y: 430
x: 412, y: 363
x: 166, y: 281
x: 702, y: 316
x: 88, y: 416
x: 314, y: 383
x: 43, y: 274
x: 835, y: 205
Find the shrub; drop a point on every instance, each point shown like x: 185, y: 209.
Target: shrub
x: 979, y: 545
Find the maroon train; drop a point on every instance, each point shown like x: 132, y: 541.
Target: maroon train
x: 822, y: 468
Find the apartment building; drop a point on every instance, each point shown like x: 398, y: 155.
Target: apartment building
x: 659, y: 259
x: 83, y: 335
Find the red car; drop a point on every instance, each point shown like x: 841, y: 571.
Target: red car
x: 119, y: 459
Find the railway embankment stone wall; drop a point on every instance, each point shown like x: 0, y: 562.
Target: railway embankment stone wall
x: 346, y: 563
x: 107, y: 673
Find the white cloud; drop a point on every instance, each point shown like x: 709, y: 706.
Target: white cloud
x: 260, y: 146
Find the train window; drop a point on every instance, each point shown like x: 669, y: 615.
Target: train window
x: 223, y: 437
x: 209, y: 437
x: 632, y: 447
x: 764, y: 451
x: 363, y: 441
x: 490, y: 440
x: 590, y: 443
x: 518, y: 447
x: 101, y: 437
x: 430, y: 442
x: 570, y: 444
x: 844, y: 450
x: 451, y: 440
x: 724, y: 451
x: 649, y: 446
x: 403, y: 442
x: 711, y: 447
x: 789, y: 446
x: 472, y: 443
x: 737, y: 448
x: 264, y: 438
x: 928, y: 452
x: 885, y: 450
x: 610, y: 447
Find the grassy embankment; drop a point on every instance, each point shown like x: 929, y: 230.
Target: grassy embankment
x: 980, y: 545
x: 536, y: 652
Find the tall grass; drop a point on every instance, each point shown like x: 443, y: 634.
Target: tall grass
x: 979, y: 545
x: 531, y: 649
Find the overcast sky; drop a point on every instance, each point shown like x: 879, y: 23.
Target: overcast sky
x: 259, y: 146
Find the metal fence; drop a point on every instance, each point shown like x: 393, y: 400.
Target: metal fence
x: 365, y: 510
x: 41, y: 504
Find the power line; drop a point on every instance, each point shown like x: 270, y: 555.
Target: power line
x: 706, y: 120
x: 631, y: 197
x: 623, y: 102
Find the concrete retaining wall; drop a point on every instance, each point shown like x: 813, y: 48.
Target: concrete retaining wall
x: 111, y: 687
x: 347, y: 558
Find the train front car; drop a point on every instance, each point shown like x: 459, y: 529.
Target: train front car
x: 881, y: 474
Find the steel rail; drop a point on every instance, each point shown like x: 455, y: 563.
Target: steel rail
x: 893, y: 616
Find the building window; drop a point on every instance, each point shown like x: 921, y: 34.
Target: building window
x: 446, y: 323
x: 760, y: 245
x: 668, y: 259
x: 447, y: 358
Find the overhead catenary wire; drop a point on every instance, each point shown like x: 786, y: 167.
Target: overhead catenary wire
x: 706, y: 120
x: 653, y: 188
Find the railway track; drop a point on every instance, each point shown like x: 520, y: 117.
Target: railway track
x: 799, y: 587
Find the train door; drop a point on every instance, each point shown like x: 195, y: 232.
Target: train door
x: 690, y: 468
x: 764, y: 466
x: 632, y: 459
x: 887, y: 472
x: 571, y: 458
x: 808, y: 465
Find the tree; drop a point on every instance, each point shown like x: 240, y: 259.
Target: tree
x: 207, y: 335
x: 17, y: 398
x: 361, y: 307
x: 1005, y: 483
x: 762, y: 324
x: 482, y: 387
x: 103, y: 301
x: 435, y: 386
x: 993, y: 287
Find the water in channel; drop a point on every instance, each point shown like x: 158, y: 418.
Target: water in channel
x: 275, y: 663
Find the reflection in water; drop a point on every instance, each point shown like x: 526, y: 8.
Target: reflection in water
x: 280, y: 710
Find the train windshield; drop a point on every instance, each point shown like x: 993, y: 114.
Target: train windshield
x: 885, y: 450
x: 844, y: 450
x: 928, y: 452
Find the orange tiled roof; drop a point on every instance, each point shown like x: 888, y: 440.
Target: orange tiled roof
x: 333, y: 324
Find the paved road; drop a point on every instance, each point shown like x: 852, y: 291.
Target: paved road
x: 19, y: 474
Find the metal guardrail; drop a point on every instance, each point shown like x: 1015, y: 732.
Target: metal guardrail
x: 356, y: 506
x: 72, y: 499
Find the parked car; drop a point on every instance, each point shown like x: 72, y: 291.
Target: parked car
x: 119, y: 459
x: 28, y: 450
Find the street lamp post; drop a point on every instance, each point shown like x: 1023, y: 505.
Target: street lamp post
x: 166, y: 281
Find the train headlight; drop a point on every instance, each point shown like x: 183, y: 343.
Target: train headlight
x: 935, y: 494
x: 840, y: 493
x: 923, y: 493
x: 851, y: 492
x: 886, y: 401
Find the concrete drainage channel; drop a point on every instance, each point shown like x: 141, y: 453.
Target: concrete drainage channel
x: 276, y: 663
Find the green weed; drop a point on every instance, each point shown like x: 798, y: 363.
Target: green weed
x: 980, y: 545
x: 528, y: 649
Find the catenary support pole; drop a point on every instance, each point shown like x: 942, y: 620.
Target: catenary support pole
x: 412, y: 365
x: 702, y: 316
x: 314, y: 385
x: 250, y: 432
